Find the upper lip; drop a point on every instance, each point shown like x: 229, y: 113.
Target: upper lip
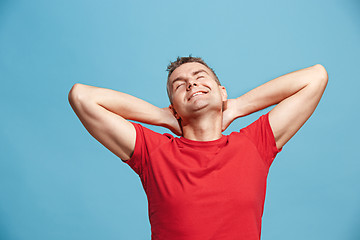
x: 192, y: 94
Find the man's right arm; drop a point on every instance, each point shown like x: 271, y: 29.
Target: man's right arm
x: 104, y: 113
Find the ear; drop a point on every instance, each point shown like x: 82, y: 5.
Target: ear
x: 223, y: 93
x: 174, y: 111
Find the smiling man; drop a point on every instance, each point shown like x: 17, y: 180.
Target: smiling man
x: 202, y: 185
x: 196, y: 98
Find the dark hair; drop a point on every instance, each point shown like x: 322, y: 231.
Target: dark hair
x: 181, y: 60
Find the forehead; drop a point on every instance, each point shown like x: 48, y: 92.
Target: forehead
x: 187, y: 69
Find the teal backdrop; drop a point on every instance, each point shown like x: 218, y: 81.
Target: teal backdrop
x: 57, y: 182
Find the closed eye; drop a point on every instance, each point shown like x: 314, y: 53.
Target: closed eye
x: 179, y: 86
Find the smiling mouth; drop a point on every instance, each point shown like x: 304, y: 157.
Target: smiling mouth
x: 196, y: 94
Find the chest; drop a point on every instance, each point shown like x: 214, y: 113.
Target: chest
x: 233, y: 173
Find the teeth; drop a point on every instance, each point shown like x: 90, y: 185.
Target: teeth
x: 197, y: 93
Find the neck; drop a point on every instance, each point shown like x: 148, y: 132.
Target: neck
x: 203, y: 128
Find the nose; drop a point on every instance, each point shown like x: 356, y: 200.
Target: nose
x: 191, y: 83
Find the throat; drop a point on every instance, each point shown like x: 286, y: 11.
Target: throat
x: 206, y: 128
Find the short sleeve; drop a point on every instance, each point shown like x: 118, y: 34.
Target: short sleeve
x: 261, y: 134
x: 146, y: 142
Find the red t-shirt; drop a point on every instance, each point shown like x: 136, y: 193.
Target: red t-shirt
x: 205, y: 190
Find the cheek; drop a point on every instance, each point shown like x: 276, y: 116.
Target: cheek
x: 178, y: 95
x: 176, y: 100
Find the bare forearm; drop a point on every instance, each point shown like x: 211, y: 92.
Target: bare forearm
x: 278, y: 89
x: 122, y: 104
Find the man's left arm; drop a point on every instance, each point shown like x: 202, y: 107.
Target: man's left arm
x: 296, y: 94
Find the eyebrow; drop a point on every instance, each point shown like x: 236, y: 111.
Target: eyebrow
x: 193, y: 73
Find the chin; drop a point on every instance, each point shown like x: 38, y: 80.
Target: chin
x: 203, y: 107
x: 198, y: 105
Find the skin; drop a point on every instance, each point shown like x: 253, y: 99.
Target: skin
x: 200, y: 115
x: 105, y: 112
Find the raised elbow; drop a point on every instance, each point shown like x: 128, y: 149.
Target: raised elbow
x: 322, y: 72
x: 74, y: 93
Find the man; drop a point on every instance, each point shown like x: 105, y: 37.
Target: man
x: 203, y: 184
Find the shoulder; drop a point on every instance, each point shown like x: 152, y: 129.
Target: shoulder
x: 147, y: 141
x: 257, y: 126
x: 150, y: 136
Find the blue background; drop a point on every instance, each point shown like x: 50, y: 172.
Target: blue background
x: 58, y: 182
